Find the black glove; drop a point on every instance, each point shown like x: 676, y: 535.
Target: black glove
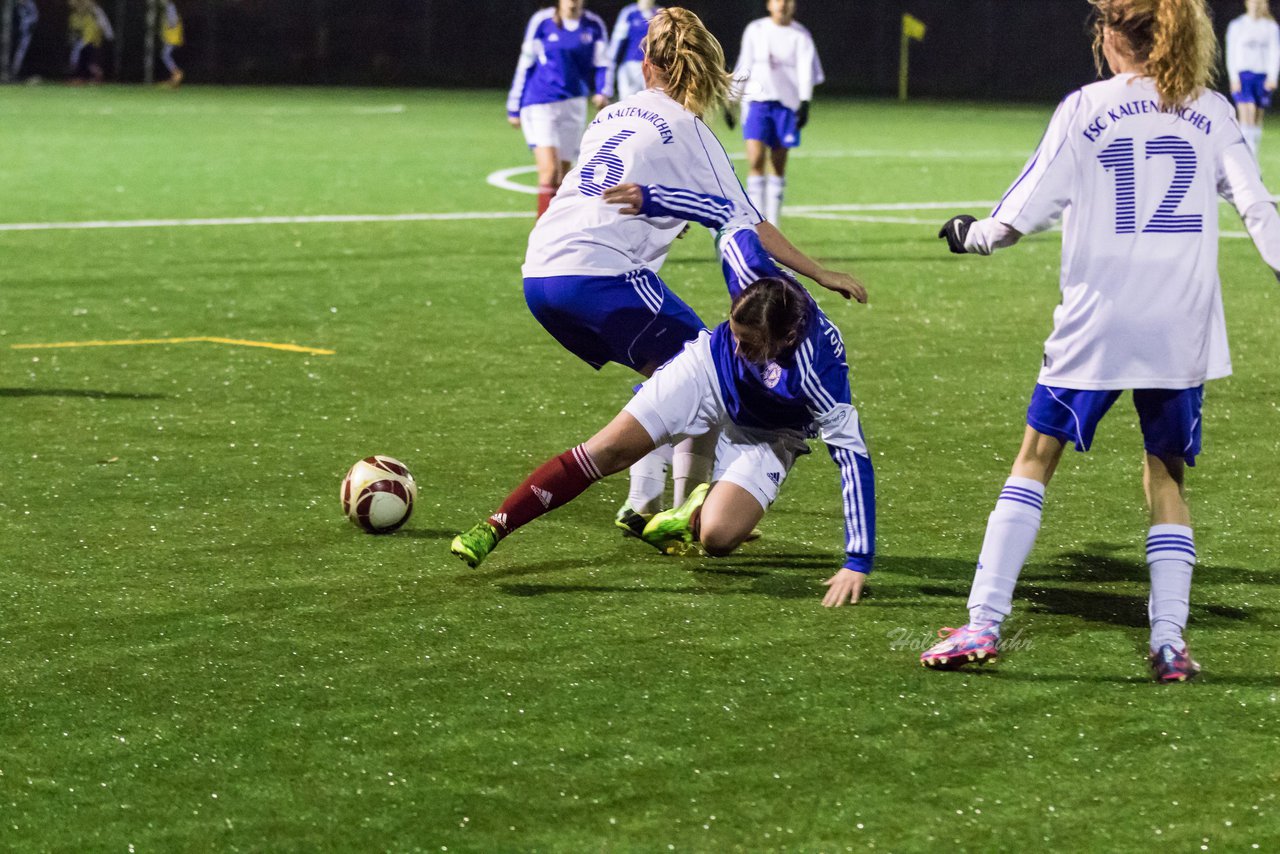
x: 802, y: 115
x: 729, y: 118
x: 955, y: 231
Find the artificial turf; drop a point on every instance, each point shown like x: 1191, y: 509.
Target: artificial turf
x: 198, y: 652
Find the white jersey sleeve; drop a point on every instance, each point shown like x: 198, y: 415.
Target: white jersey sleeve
x: 103, y: 22
x: 1235, y: 50
x: 808, y: 69
x: 528, y: 57
x: 1045, y: 187
x: 1272, y: 67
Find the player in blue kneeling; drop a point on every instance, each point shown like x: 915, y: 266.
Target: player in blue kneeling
x: 768, y: 379
x: 1133, y: 166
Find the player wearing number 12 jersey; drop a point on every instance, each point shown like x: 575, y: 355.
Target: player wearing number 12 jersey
x: 1133, y: 166
x: 591, y: 272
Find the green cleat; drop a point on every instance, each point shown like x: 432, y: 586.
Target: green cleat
x: 671, y: 531
x: 629, y: 521
x: 474, y: 545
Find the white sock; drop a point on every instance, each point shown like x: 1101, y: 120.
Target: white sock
x: 1171, y: 553
x: 774, y: 188
x: 649, y: 481
x: 1253, y: 137
x: 1011, y: 532
x: 755, y: 192
x: 691, y: 464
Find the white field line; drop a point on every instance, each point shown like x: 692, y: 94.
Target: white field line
x: 502, y: 179
x: 896, y: 154
x: 261, y: 220
x: 882, y: 220
x: 266, y: 112
x: 886, y: 206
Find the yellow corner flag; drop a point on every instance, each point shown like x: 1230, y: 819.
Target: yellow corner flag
x: 912, y: 30
x: 912, y: 27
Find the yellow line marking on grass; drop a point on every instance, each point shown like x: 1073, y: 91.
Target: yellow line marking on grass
x: 208, y: 339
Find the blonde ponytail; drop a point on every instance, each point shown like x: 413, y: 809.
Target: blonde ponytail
x: 1173, y: 39
x: 688, y: 59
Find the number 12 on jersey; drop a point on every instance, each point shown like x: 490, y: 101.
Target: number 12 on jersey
x: 1119, y: 159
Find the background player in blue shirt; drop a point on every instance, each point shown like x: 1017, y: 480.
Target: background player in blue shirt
x: 626, y: 48
x: 563, y: 61
x: 770, y: 377
x: 27, y: 14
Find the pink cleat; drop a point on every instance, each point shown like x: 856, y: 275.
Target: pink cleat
x: 962, y: 646
x: 1169, y: 664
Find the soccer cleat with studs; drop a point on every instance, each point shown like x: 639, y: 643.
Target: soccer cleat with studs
x: 671, y: 531
x: 964, y: 645
x: 474, y: 545
x: 1169, y: 664
x: 629, y: 521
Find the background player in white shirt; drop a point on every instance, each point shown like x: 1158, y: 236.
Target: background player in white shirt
x: 1253, y: 66
x: 590, y: 273
x: 777, y: 69
x: 626, y: 51
x: 1134, y: 166
x: 562, y: 62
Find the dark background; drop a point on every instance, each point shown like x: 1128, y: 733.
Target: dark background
x: 976, y: 49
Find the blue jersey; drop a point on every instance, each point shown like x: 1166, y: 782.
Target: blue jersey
x: 629, y: 32
x: 805, y: 392
x: 558, y: 62
x: 28, y: 14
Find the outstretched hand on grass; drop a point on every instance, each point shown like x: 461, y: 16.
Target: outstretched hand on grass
x: 844, y: 587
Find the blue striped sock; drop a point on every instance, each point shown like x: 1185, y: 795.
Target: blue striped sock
x: 1171, y: 555
x: 1011, y: 532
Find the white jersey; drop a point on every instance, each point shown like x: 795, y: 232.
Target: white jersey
x: 777, y: 63
x: 1137, y: 189
x: 1253, y: 44
x: 645, y: 139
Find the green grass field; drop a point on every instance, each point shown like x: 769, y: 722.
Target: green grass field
x: 200, y: 653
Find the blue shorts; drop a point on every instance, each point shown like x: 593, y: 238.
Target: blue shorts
x: 1253, y: 90
x: 1170, y: 418
x: 633, y: 319
x: 771, y: 123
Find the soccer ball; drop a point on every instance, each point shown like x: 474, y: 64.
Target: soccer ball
x: 378, y: 494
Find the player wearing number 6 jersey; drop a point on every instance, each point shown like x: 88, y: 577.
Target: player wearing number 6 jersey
x: 591, y: 272
x: 1133, y: 166
x: 772, y: 376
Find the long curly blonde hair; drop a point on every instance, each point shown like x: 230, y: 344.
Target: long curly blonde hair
x: 1172, y: 38
x: 688, y: 59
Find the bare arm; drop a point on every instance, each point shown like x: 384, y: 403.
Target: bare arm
x: 787, y: 254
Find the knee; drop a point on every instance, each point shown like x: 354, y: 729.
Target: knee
x: 718, y: 543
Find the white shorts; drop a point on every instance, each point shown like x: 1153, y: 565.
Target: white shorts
x: 556, y: 125
x: 682, y: 399
x: 630, y: 79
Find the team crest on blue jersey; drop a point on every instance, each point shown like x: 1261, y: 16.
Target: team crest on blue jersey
x: 771, y: 374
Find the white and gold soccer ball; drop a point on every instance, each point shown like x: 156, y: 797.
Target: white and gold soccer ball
x: 378, y: 494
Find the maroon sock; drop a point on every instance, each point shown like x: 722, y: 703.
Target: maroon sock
x: 557, y: 481
x: 545, y: 194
